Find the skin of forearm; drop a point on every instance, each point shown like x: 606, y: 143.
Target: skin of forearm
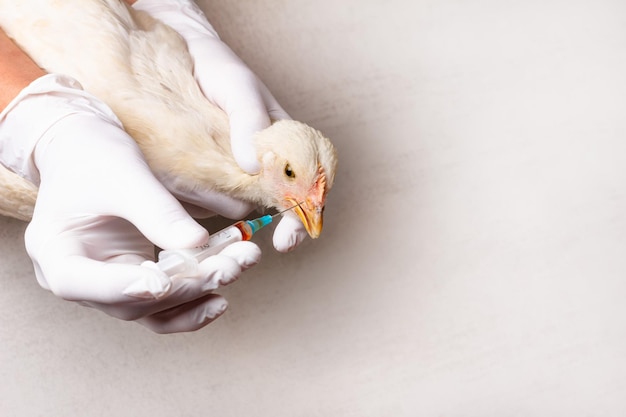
x: 17, y: 70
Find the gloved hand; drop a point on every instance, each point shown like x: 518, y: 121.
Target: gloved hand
x: 100, y: 209
x: 230, y: 84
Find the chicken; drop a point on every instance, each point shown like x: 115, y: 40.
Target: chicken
x: 17, y: 195
x: 141, y: 68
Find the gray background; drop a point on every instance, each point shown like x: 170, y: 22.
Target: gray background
x: 473, y: 261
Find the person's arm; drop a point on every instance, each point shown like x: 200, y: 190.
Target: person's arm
x: 99, y: 209
x: 17, y: 70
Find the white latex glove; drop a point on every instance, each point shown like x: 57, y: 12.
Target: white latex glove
x: 100, y: 209
x: 230, y: 84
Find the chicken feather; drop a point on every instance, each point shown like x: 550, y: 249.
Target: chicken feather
x: 141, y: 68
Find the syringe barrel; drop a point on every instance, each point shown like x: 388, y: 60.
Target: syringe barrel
x: 181, y: 263
x: 219, y: 240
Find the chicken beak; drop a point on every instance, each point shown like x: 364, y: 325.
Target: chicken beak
x: 311, y: 216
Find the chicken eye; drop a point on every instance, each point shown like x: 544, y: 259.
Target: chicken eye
x: 289, y: 172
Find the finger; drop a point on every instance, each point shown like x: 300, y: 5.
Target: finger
x: 245, y: 254
x: 186, y: 317
x: 218, y: 203
x: 243, y: 126
x: 144, y: 300
x: 78, y: 278
x: 261, y: 109
x: 289, y: 233
x: 92, y: 262
x: 274, y: 109
x: 130, y: 190
x: 161, y: 218
x: 247, y: 113
x: 215, y: 271
x: 221, y: 269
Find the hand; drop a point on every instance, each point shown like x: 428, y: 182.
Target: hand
x: 230, y: 84
x: 100, y: 209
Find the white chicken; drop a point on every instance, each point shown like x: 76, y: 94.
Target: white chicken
x: 141, y: 68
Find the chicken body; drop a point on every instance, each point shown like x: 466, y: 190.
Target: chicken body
x: 141, y: 68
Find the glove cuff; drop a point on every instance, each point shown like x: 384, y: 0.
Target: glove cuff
x: 36, y: 109
x: 184, y: 16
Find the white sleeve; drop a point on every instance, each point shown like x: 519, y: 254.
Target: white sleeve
x: 36, y: 109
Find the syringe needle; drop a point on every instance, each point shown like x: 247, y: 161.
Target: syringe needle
x: 287, y: 209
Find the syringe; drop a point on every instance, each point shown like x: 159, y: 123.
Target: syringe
x: 182, y: 263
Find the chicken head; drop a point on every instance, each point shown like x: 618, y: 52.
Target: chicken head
x: 298, y: 167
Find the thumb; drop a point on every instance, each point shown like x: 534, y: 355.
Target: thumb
x: 162, y: 219
x: 289, y: 233
x: 243, y: 126
x: 262, y: 108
